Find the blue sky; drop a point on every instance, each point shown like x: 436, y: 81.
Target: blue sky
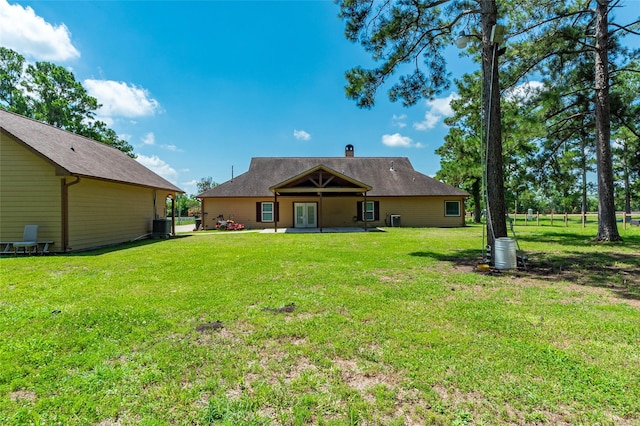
x: 200, y: 87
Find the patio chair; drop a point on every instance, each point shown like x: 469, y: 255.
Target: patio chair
x: 29, y: 241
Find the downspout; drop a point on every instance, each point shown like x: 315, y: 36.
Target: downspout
x: 65, y: 211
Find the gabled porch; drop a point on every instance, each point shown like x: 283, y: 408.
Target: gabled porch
x: 317, y: 183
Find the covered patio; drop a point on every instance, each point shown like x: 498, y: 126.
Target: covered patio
x: 318, y: 230
x: 320, y: 181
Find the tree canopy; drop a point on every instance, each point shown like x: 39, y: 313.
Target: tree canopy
x: 50, y: 93
x: 575, y: 44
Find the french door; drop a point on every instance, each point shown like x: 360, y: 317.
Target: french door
x: 306, y: 215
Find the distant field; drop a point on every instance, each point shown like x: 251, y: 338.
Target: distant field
x: 386, y: 328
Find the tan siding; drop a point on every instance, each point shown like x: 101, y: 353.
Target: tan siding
x: 339, y: 211
x: 421, y: 211
x: 242, y: 210
x: 103, y: 213
x: 30, y: 193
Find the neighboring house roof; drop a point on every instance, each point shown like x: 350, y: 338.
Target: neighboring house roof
x: 77, y: 155
x: 387, y: 176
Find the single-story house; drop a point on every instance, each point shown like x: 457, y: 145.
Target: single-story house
x: 333, y: 192
x: 82, y: 194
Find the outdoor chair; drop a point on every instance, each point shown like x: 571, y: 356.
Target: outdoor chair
x: 29, y: 241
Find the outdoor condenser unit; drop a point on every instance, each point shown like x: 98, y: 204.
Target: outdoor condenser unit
x: 395, y: 220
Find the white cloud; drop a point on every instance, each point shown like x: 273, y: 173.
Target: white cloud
x: 120, y: 99
x: 171, y: 148
x: 190, y: 187
x: 301, y: 135
x: 524, y: 91
x: 429, y: 122
x: 149, y: 139
x: 157, y: 165
x: 31, y: 36
x: 437, y: 110
x: 399, y: 120
x: 397, y: 140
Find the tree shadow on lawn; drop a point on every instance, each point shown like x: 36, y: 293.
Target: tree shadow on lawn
x: 120, y: 246
x: 619, y: 272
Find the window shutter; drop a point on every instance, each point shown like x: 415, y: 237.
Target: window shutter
x: 376, y: 210
x: 258, y: 211
x: 276, y: 214
x: 359, y: 210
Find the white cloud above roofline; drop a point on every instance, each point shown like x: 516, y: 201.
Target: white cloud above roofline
x: 158, y: 166
x: 30, y: 35
x: 437, y: 110
x: 149, y: 139
x: 301, y: 135
x: 396, y: 140
x: 120, y: 99
x: 399, y: 120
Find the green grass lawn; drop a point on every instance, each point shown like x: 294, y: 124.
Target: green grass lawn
x: 388, y: 328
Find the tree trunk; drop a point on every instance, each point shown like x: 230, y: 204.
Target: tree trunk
x: 583, y: 186
x: 627, y: 190
x: 496, y: 222
x: 477, y: 201
x: 607, y: 226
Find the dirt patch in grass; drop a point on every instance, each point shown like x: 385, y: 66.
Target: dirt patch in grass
x: 23, y: 395
x: 477, y: 404
x: 404, y: 403
x: 355, y: 378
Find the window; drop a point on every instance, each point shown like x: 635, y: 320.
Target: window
x: 265, y: 211
x: 369, y: 210
x: 452, y: 208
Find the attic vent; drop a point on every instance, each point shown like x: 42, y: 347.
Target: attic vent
x: 391, y: 168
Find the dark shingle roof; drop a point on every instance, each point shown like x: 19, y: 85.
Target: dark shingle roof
x: 76, y: 155
x: 374, y: 171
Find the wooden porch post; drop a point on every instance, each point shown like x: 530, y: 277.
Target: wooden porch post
x: 275, y: 212
x: 173, y: 214
x: 320, y: 211
x: 364, y: 213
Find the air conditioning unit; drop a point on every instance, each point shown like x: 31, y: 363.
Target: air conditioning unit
x: 395, y: 220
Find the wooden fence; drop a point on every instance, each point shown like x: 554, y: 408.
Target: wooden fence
x: 560, y: 219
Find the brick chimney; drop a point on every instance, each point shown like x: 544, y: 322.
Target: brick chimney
x: 348, y: 151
